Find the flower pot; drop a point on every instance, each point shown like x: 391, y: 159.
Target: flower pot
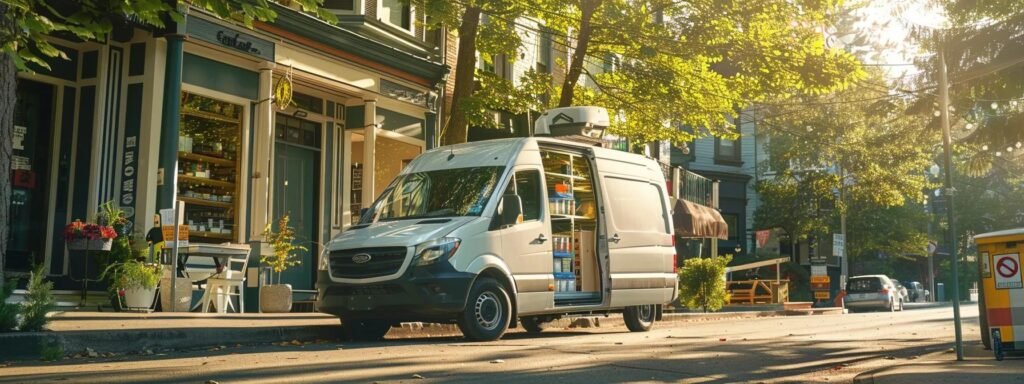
x: 183, y: 291
x: 139, y: 298
x: 90, y: 244
x: 276, y: 298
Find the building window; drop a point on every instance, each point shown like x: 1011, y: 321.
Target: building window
x: 343, y: 7
x: 732, y: 219
x: 727, y: 150
x: 397, y: 13
x: 544, y: 52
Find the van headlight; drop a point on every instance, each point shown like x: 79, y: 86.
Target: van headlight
x: 325, y: 260
x: 436, y: 250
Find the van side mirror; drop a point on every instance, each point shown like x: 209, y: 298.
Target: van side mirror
x: 510, y: 210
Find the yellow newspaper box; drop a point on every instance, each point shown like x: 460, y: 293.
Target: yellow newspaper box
x: 1001, y: 304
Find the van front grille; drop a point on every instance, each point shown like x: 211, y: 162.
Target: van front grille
x: 363, y: 263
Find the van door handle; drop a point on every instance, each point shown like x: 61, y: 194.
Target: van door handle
x: 540, y: 239
x: 615, y: 238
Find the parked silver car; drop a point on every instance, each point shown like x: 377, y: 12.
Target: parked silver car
x: 917, y: 292
x: 872, y: 292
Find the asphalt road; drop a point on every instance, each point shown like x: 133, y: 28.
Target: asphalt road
x: 827, y: 348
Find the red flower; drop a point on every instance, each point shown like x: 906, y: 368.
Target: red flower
x: 79, y: 230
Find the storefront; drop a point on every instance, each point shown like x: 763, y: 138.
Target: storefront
x: 89, y: 131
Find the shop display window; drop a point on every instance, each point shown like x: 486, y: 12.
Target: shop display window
x: 209, y: 149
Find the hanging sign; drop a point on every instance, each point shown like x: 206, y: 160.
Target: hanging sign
x: 762, y: 237
x: 167, y: 225
x: 283, y: 91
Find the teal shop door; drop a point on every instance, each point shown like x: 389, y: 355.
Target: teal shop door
x: 297, y: 192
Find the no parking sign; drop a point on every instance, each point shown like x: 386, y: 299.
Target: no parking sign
x: 1007, y: 271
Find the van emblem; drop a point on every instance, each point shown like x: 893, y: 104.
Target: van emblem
x: 361, y: 258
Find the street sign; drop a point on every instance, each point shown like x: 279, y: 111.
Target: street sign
x: 824, y: 295
x: 820, y: 279
x: 819, y: 270
x: 1007, y: 271
x: 839, y: 245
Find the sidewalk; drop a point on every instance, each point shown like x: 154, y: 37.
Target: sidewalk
x: 979, y: 366
x: 143, y: 333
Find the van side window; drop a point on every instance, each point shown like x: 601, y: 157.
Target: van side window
x: 527, y: 186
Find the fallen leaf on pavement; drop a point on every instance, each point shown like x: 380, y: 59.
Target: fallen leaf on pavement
x: 417, y: 376
x: 497, y: 361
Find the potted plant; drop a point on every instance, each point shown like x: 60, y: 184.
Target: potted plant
x: 81, y: 236
x: 282, y: 253
x: 135, y: 283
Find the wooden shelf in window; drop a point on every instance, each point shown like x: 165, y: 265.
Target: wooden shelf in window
x: 211, y: 235
x: 208, y: 159
x: 564, y: 176
x: 567, y: 217
x: 205, y: 181
x: 209, y: 116
x: 208, y: 203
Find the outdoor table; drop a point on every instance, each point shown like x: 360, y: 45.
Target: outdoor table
x: 220, y: 253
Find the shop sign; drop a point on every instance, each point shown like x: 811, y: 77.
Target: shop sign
x: 403, y: 93
x: 838, y: 245
x: 19, y: 137
x: 224, y: 36
x: 129, y: 168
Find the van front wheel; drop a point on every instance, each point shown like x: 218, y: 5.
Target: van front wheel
x: 640, y: 318
x: 487, y: 311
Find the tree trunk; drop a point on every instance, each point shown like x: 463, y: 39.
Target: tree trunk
x: 8, y: 82
x: 457, y: 128
x: 587, y: 9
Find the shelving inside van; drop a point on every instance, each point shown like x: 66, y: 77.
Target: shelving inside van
x: 572, y: 203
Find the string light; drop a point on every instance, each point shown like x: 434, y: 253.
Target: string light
x: 1018, y: 144
x: 1009, y: 149
x: 995, y: 105
x: 998, y: 153
x: 937, y: 113
x: 984, y: 147
x: 969, y: 126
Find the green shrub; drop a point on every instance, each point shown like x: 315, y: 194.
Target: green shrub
x: 135, y: 275
x: 8, y: 312
x: 702, y: 283
x: 38, y: 302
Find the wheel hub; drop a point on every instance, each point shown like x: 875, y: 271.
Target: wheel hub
x: 488, y: 311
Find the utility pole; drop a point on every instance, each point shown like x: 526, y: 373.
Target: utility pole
x: 948, y: 192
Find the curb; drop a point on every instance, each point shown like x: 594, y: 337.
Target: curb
x: 28, y: 346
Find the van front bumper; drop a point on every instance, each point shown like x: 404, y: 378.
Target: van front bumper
x: 434, y: 293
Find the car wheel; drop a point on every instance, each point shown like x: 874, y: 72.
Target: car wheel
x: 640, y: 318
x: 365, y: 330
x: 487, y: 311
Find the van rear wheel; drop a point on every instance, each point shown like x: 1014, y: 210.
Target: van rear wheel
x: 532, y: 324
x: 365, y: 330
x: 640, y: 318
x: 488, y: 311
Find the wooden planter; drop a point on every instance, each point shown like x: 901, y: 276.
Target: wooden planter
x: 90, y: 245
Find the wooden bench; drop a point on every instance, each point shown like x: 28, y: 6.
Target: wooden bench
x: 749, y: 292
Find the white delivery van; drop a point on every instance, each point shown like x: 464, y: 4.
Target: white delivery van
x: 490, y: 234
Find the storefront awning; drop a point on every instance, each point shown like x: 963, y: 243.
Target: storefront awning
x: 694, y: 220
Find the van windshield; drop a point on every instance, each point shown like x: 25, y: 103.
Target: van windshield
x: 441, y: 193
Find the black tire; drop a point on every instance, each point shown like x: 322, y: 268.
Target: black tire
x: 532, y: 324
x: 488, y: 311
x: 640, y: 318
x: 364, y: 330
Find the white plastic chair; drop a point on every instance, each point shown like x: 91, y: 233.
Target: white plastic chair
x: 229, y: 282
